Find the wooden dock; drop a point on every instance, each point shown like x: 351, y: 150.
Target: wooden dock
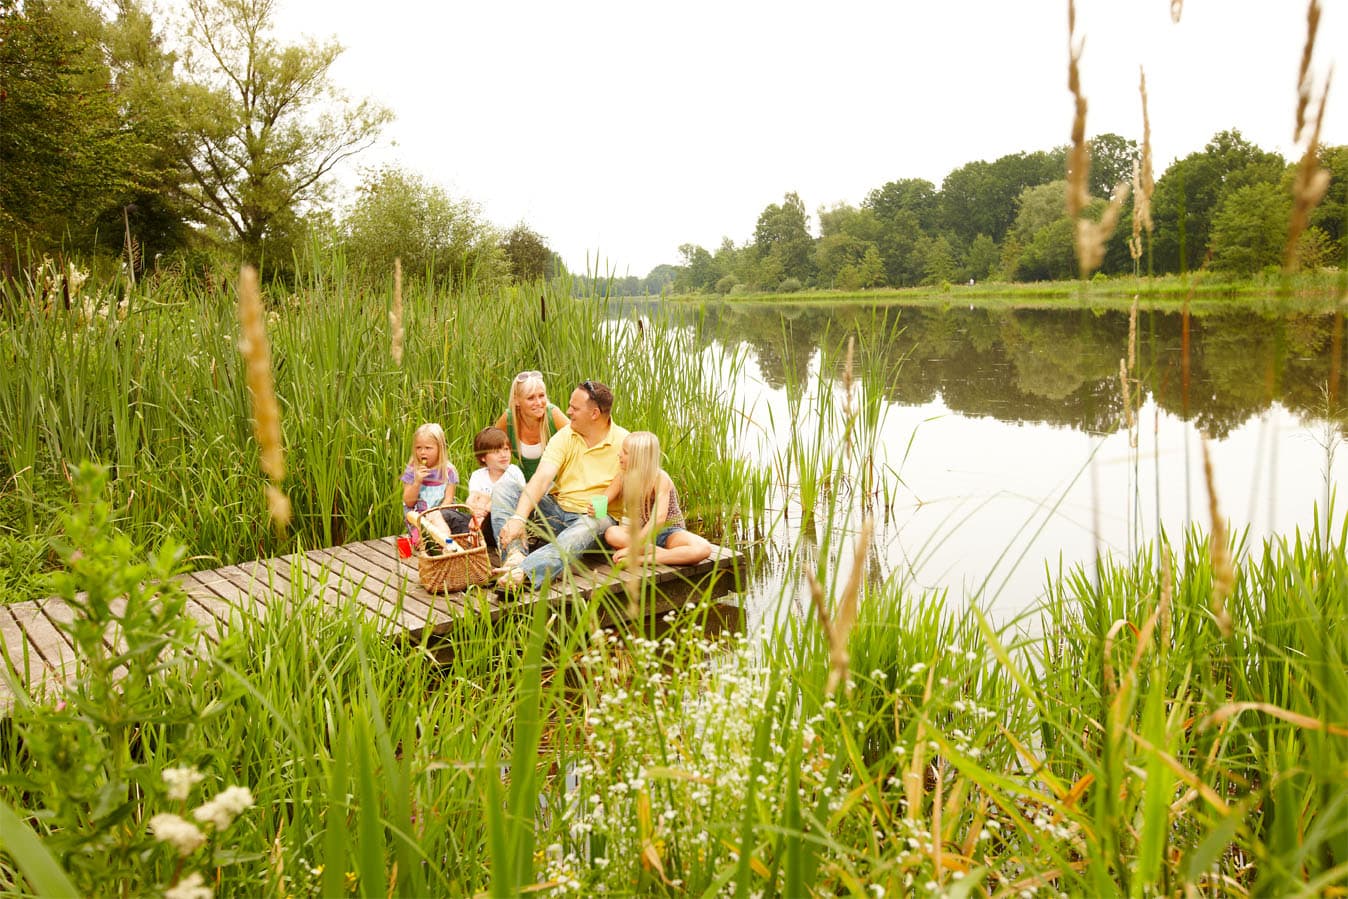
x: 368, y: 575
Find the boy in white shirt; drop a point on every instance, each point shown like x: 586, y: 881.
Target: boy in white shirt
x: 491, y: 446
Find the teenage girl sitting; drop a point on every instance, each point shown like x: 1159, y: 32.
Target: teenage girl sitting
x: 651, y: 505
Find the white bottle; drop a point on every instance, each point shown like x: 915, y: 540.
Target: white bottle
x: 434, y: 527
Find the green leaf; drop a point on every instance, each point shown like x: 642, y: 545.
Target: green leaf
x: 334, y: 832
x: 41, y: 870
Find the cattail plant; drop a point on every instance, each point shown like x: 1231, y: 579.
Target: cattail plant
x: 1144, y: 182
x: 1223, y: 574
x: 395, y: 316
x: 1311, y: 181
x: 838, y: 626
x: 1090, y: 236
x: 266, y: 411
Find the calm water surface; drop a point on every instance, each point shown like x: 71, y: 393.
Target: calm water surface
x: 1004, y: 449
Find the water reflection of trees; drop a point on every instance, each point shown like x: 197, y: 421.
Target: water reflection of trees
x: 1056, y: 367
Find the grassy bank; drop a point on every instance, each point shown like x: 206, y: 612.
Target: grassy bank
x: 1322, y: 291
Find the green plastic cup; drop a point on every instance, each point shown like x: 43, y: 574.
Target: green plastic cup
x: 600, y: 504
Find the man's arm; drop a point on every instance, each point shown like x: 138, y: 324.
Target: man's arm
x: 529, y: 497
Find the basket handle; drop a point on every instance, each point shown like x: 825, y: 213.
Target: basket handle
x: 471, y: 537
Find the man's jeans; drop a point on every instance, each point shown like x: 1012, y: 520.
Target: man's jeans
x: 575, y: 533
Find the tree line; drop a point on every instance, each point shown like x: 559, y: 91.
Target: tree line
x: 116, y: 147
x: 1224, y: 208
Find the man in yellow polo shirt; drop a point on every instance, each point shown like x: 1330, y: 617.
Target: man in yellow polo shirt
x: 579, y: 463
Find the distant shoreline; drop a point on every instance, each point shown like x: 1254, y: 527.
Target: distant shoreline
x: 1315, y: 292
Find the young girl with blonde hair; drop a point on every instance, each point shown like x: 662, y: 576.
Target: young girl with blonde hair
x: 529, y: 420
x: 429, y: 480
x: 651, y: 506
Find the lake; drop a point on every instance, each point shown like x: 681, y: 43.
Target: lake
x: 1003, y: 449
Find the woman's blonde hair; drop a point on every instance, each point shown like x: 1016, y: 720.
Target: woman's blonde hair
x: 432, y: 431
x: 525, y: 382
x: 641, y: 477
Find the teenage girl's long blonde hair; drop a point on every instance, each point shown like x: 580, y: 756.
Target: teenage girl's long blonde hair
x: 432, y: 431
x: 518, y: 390
x: 641, y: 476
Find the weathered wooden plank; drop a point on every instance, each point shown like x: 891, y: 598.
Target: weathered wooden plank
x: 49, y: 643
x: 390, y: 572
x: 377, y: 586
x: 256, y: 583
x: 24, y: 661
x: 354, y: 590
x: 60, y: 614
x: 368, y: 572
x: 440, y: 610
x: 207, y: 624
x: 219, y: 613
x: 219, y: 596
x: 296, y: 584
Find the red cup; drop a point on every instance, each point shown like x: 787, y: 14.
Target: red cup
x: 405, y: 547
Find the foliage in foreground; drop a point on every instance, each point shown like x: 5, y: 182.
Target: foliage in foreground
x: 1123, y: 745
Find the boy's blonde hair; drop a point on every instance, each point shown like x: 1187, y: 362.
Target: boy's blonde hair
x: 641, y: 477
x: 432, y: 431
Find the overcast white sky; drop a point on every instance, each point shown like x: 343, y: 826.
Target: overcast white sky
x: 625, y: 129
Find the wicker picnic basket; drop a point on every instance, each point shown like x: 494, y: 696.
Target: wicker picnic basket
x: 452, y: 572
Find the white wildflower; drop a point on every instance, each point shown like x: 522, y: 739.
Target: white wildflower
x: 180, y: 781
x: 224, y: 808
x: 190, y: 887
x: 182, y: 835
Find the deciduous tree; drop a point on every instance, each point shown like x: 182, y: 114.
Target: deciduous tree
x: 1191, y: 190
x: 980, y: 197
x: 782, y: 238
x: 528, y: 254
x: 1112, y: 159
x: 66, y: 153
x: 1331, y: 216
x: 398, y: 215
x: 1249, y: 229
x: 262, y: 123
x: 915, y: 195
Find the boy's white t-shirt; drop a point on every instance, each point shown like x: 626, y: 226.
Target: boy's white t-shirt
x: 480, y: 481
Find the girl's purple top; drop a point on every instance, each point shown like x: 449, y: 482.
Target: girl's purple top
x: 433, y: 489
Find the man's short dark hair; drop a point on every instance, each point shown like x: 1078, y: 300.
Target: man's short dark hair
x: 599, y: 394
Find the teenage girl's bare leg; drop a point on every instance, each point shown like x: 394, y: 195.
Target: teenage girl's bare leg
x: 619, y: 540
x: 682, y: 548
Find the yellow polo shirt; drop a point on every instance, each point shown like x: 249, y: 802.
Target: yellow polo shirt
x: 582, y: 471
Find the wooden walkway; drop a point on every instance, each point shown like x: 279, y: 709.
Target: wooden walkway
x: 369, y: 575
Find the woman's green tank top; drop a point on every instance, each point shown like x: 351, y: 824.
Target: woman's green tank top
x: 528, y: 466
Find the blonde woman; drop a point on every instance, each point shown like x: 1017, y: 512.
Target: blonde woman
x: 651, y: 507
x: 529, y: 420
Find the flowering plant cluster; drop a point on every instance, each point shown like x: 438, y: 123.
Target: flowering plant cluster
x: 92, y: 767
